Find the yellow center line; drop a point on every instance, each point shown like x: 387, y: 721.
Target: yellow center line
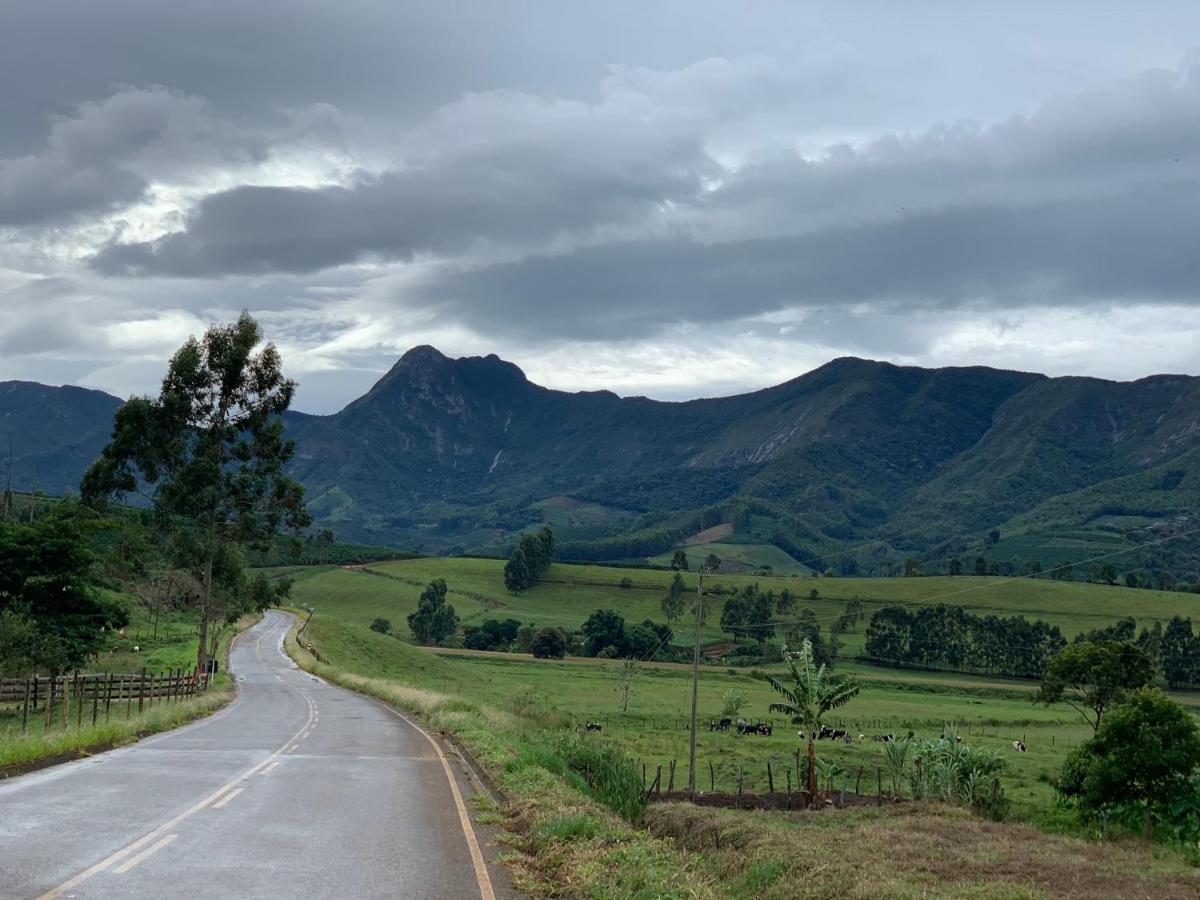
x: 227, y: 798
x: 464, y: 819
x: 144, y: 855
x: 145, y: 839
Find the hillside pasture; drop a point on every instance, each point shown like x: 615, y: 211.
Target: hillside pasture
x: 992, y: 712
x: 570, y: 593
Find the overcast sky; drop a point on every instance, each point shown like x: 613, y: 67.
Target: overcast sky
x: 675, y: 199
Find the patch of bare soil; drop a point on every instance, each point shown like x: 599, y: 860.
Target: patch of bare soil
x: 711, y: 535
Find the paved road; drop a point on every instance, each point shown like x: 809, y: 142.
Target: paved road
x: 298, y: 789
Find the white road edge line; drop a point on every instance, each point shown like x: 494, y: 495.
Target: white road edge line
x: 220, y: 803
x: 144, y: 855
x: 162, y: 829
x: 270, y: 767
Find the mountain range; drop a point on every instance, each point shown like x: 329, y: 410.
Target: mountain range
x: 852, y: 467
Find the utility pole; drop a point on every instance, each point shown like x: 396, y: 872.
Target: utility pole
x: 695, y: 686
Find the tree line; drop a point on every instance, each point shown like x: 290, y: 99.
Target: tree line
x: 1175, y: 647
x: 946, y: 636
x: 529, y: 560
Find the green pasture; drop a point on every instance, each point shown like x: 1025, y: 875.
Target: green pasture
x: 654, y: 730
x: 570, y: 593
x: 990, y: 712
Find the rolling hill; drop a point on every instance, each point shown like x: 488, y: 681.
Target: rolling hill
x: 852, y: 467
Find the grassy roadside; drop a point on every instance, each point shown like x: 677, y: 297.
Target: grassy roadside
x: 562, y: 841
x: 19, y: 753
x: 565, y: 843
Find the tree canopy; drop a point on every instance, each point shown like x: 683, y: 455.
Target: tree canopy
x: 529, y: 560
x: 434, y: 619
x: 210, y: 454
x: 1093, y: 675
x: 1142, y: 758
x: 53, y: 616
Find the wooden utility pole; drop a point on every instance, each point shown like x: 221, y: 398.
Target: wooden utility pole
x: 695, y: 687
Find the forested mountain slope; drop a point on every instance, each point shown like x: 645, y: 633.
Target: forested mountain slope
x: 853, y: 466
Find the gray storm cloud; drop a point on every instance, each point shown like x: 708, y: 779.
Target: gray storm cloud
x: 590, y: 187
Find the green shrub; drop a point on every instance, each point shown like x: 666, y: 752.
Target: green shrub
x: 612, y: 778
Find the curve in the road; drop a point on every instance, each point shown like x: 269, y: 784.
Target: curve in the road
x: 299, y: 788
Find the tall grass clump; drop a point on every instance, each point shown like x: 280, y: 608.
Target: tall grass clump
x: 949, y: 771
x: 612, y: 778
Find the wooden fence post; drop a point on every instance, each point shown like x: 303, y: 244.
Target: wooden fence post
x: 35, y: 691
x: 770, y: 779
x: 66, y: 703
x: 142, y: 691
x: 712, y: 777
x: 49, y: 711
x: 658, y: 780
x: 79, y: 682
x: 108, y: 695
x: 25, y: 709
x: 95, y: 698
x: 671, y: 778
x: 858, y: 780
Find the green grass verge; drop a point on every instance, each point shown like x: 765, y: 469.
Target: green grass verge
x: 58, y: 743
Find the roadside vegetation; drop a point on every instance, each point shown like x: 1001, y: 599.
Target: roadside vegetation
x: 205, y: 459
x: 575, y: 823
x: 121, y: 723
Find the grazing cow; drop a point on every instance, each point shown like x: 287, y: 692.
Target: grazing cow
x: 1020, y: 747
x: 765, y: 729
x: 724, y: 724
x: 593, y: 726
x: 861, y: 738
x: 885, y: 738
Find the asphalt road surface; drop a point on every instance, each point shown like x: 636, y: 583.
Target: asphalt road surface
x: 297, y: 789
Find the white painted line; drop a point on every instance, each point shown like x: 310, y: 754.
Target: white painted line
x: 227, y: 798
x: 144, y: 855
x: 269, y: 768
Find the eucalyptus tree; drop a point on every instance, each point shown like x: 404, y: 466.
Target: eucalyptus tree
x: 812, y: 694
x: 210, y: 456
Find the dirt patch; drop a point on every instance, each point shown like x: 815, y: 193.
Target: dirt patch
x: 711, y: 535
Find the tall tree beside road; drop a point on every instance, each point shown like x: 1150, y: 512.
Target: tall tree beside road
x: 210, y: 453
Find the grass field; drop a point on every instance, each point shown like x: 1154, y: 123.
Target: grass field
x: 509, y: 710
x: 991, y: 712
x: 569, y: 594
